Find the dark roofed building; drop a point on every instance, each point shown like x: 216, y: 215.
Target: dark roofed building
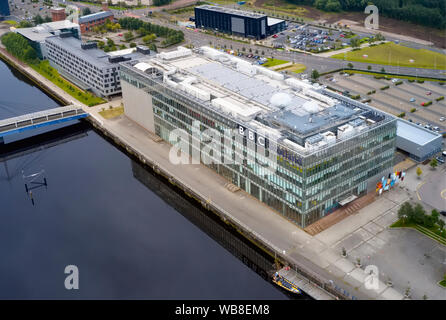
x: 237, y: 22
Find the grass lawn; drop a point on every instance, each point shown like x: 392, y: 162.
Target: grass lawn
x: 434, y: 233
x: 11, y: 22
x: 394, y: 54
x: 296, y: 68
x: 391, y: 75
x: 51, y: 74
x: 112, y: 113
x: 273, y: 62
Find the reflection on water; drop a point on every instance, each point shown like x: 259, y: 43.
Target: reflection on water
x: 128, y: 241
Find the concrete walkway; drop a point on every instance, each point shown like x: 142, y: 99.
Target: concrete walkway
x: 314, y: 253
x: 345, y: 50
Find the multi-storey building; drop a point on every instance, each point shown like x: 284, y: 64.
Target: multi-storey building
x: 88, y: 22
x: 304, y: 150
x: 87, y: 66
x: 4, y: 8
x: 37, y: 35
x: 58, y: 14
x: 237, y: 22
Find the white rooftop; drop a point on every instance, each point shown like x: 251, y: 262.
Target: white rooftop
x: 415, y: 133
x: 258, y: 97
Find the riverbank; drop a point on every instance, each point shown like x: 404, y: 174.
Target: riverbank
x: 309, y: 257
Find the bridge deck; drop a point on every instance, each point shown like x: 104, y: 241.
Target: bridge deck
x: 40, y: 119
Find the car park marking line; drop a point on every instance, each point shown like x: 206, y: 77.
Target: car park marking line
x: 418, y: 187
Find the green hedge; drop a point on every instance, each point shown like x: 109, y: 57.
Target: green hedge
x: 384, y: 88
x: 427, y: 103
x: 402, y: 115
x: 440, y: 98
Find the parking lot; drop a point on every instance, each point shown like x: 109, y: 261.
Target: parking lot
x: 311, y: 38
x: 406, y: 97
x: 27, y: 10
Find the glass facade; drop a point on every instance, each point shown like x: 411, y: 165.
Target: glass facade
x: 303, y: 188
x: 250, y: 27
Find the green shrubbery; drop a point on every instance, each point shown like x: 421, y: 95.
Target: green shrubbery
x: 413, y: 110
x: 439, y: 98
x: 384, y: 88
x: 371, y: 92
x: 171, y: 36
x: 19, y: 47
x: 410, y: 216
x: 402, y: 115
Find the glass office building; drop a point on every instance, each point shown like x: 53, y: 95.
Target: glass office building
x: 304, y: 150
x: 4, y: 8
x: 241, y: 23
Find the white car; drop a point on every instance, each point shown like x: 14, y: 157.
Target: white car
x: 442, y: 119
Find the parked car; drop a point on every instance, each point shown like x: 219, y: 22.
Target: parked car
x: 275, y: 36
x: 444, y: 153
x: 412, y: 100
x: 443, y: 213
x: 428, y: 93
x: 442, y: 119
x: 440, y: 159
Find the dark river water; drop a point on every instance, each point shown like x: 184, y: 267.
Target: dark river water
x: 129, y: 233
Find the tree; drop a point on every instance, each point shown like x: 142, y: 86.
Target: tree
x: 141, y: 32
x: 315, y: 74
x: 148, y: 38
x: 383, y: 70
x: 128, y: 36
x: 350, y: 65
x: 441, y: 224
x: 419, y: 172
x: 355, y: 42
x: 86, y: 11
x: 433, y: 163
x: 405, y: 212
x: 435, y: 215
x: 132, y: 45
x: 38, y: 19
x: 369, y: 67
x: 419, y: 214
x: 380, y: 37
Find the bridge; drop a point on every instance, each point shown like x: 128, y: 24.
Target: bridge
x: 40, y: 119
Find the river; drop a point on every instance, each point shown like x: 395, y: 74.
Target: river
x: 130, y: 234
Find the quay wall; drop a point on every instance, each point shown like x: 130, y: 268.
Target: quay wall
x: 251, y: 235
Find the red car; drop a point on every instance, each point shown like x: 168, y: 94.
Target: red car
x: 275, y: 36
x: 428, y: 93
x: 120, y: 34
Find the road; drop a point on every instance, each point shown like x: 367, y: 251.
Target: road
x: 312, y: 62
